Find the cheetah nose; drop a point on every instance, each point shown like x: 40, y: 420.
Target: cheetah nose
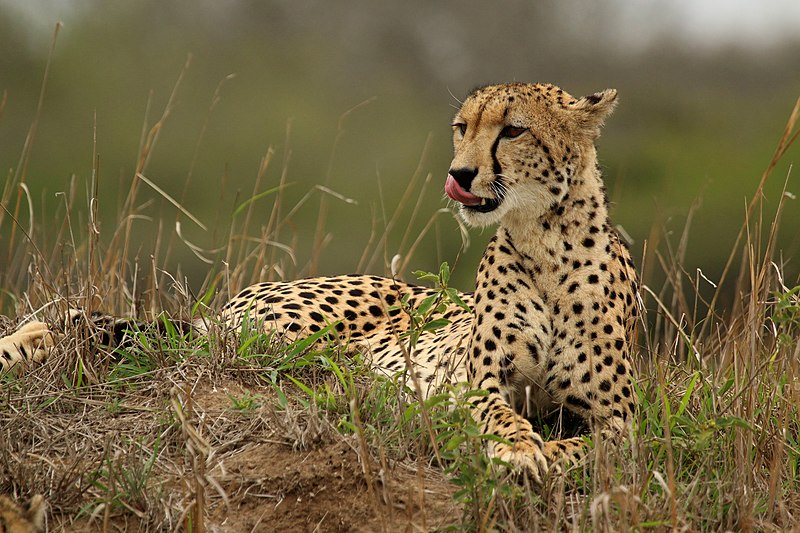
x: 464, y: 176
x: 457, y: 193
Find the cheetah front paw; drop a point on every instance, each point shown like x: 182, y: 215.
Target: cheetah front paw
x: 30, y: 344
x: 565, y: 452
x: 523, y: 455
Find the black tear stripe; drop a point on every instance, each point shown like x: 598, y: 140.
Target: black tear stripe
x: 496, y: 168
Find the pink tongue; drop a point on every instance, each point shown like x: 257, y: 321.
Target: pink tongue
x: 454, y: 191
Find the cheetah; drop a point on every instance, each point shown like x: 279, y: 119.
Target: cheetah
x: 550, y: 326
x: 16, y: 519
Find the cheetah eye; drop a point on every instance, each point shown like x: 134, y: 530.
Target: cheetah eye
x: 461, y: 127
x: 512, y: 131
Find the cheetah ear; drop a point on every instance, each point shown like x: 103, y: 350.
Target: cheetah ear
x: 592, y: 110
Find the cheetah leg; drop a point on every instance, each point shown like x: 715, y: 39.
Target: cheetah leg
x: 33, y: 341
x: 600, y: 389
x: 521, y: 446
x: 30, y: 344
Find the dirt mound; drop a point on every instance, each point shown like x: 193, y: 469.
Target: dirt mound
x: 326, y: 490
x: 273, y: 486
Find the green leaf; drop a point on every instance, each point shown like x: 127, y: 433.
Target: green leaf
x: 171, y: 332
x: 433, y: 325
x: 444, y: 273
x: 725, y: 387
x: 246, y: 344
x: 426, y: 276
x: 337, y: 371
x: 404, y: 300
x: 48, y: 402
x: 303, y: 388
x: 687, y: 395
x: 452, y: 295
x: 347, y: 425
x: 282, y: 401
x: 426, y: 304
x: 454, y: 442
x: 733, y: 421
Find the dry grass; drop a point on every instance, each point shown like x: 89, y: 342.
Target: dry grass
x: 236, y: 432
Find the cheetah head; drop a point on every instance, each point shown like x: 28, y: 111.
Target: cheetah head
x: 519, y: 147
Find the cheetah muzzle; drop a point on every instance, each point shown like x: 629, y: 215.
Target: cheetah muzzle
x: 468, y: 200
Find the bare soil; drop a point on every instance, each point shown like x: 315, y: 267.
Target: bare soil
x: 272, y: 487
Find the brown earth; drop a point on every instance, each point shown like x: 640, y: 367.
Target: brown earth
x: 272, y: 487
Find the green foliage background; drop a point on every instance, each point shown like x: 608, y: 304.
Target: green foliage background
x: 692, y: 123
